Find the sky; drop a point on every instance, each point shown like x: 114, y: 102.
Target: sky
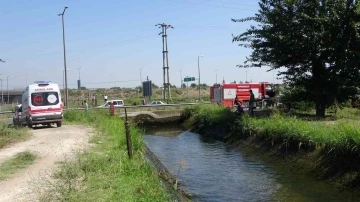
x: 111, y: 40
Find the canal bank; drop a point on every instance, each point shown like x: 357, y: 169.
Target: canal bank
x: 211, y: 170
x: 105, y: 172
x: 304, y: 147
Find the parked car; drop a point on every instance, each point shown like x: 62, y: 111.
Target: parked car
x: 17, y: 115
x: 117, y: 103
x: 156, y: 103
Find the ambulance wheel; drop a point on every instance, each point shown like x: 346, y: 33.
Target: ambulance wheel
x: 58, y: 124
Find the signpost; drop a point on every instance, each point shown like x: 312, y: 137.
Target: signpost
x: 187, y: 80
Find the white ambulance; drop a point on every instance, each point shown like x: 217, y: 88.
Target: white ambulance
x: 41, y: 104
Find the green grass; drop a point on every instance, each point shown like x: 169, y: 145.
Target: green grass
x: 341, y: 137
x: 105, y: 173
x: 13, y: 165
x: 10, y: 135
x: 348, y: 113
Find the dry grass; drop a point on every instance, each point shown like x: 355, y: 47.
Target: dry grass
x: 133, y: 96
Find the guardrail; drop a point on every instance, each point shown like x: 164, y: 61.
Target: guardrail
x: 127, y: 107
x: 6, y: 112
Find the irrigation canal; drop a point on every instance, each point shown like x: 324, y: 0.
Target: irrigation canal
x: 214, y: 171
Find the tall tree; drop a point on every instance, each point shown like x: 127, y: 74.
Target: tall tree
x: 316, y: 41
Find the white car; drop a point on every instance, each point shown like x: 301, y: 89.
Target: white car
x: 156, y: 103
x: 117, y: 103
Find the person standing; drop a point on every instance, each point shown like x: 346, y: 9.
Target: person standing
x: 143, y: 101
x: 105, y: 98
x: 86, y: 106
x: 238, y: 104
x: 251, y: 103
x: 62, y: 103
x: 93, y: 100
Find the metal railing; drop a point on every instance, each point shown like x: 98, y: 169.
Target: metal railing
x: 134, y: 107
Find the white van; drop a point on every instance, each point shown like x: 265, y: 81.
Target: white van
x: 41, y: 104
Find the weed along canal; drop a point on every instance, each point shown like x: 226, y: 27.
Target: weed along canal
x: 211, y: 170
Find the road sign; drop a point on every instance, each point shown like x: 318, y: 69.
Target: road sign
x: 187, y: 79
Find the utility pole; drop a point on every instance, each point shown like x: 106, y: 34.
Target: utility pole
x: 163, y: 32
x: 140, y: 75
x: 65, y: 72
x: 141, y: 84
x: 181, y: 81
x: 2, y: 94
x: 79, y: 84
x: 216, y: 74
x: 7, y: 87
x: 199, y: 76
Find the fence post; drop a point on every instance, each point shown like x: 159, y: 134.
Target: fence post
x: 128, y: 136
x: 112, y: 109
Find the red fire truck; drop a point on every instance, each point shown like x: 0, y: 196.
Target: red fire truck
x: 225, y: 93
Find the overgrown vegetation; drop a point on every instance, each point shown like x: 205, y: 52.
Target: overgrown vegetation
x: 105, y: 173
x: 9, y: 134
x: 13, y: 165
x: 341, y: 136
x: 317, y: 48
x: 336, y: 142
x: 132, y: 96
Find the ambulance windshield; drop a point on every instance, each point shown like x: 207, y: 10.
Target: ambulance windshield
x: 44, y: 98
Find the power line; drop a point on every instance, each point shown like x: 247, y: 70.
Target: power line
x: 88, y: 54
x: 107, y: 82
x: 235, y: 3
x: 209, y: 27
x: 165, y: 52
x: 95, y: 47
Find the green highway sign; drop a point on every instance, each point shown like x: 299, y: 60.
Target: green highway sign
x: 187, y: 79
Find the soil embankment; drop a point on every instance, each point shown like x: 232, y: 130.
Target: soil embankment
x: 167, y: 178
x: 263, y: 137
x: 51, y: 145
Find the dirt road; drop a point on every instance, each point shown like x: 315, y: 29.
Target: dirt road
x: 51, y: 145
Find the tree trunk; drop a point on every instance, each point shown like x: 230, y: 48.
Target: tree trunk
x: 320, y: 105
x: 319, y: 83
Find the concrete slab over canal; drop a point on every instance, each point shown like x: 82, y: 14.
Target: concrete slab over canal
x: 155, y: 116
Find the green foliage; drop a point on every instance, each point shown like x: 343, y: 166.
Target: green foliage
x: 341, y: 137
x: 297, y: 97
x: 9, y: 134
x: 348, y: 113
x: 207, y: 115
x: 18, y: 162
x: 316, y: 41
x: 104, y: 173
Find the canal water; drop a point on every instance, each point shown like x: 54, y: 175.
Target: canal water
x: 210, y: 170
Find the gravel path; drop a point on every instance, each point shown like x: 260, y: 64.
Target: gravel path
x: 51, y: 145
